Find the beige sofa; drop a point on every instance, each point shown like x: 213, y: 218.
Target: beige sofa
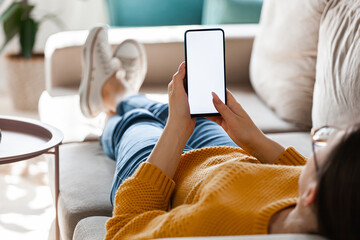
x: 85, y: 172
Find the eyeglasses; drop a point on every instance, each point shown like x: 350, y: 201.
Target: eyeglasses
x: 320, y: 138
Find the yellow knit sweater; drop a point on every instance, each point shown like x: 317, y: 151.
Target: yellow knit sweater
x: 215, y: 191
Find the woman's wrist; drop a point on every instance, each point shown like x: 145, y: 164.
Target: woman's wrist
x: 181, y: 129
x: 167, y: 151
x: 266, y: 150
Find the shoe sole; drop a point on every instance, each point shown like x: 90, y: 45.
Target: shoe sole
x: 143, y: 57
x: 85, y: 84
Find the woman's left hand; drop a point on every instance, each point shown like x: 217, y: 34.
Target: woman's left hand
x: 179, y: 127
x: 179, y: 111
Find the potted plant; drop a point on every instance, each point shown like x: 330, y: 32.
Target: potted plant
x: 24, y: 70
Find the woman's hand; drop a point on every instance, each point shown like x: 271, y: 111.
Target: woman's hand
x: 242, y: 130
x: 179, y: 127
x: 179, y: 111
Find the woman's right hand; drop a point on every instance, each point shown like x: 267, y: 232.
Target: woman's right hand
x: 242, y: 130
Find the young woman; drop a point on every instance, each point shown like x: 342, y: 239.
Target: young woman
x: 179, y: 176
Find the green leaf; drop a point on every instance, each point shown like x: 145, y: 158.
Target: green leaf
x: 10, y: 11
x: 11, y: 22
x: 28, y: 29
x: 11, y: 19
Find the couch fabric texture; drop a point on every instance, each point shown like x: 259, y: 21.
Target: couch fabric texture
x: 337, y: 87
x: 284, y: 57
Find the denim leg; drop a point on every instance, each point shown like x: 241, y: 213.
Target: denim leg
x: 129, y: 139
x: 160, y: 110
x: 208, y: 133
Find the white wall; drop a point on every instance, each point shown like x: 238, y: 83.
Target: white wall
x: 75, y: 14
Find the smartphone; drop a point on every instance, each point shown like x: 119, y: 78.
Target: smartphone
x: 205, y: 69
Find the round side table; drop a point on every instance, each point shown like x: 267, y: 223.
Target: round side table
x: 23, y: 139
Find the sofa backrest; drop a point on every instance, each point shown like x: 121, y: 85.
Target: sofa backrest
x: 164, y: 47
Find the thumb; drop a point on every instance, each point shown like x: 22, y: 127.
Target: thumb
x: 224, y: 110
x: 180, y: 74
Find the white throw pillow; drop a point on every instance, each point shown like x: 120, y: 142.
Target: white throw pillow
x: 284, y: 54
x: 337, y: 87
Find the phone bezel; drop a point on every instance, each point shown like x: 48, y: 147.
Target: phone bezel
x: 186, y: 82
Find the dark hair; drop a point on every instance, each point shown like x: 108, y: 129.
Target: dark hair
x: 337, y: 201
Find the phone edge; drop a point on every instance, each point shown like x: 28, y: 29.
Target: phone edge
x: 186, y: 72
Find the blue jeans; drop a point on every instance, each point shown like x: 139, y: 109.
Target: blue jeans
x: 131, y: 134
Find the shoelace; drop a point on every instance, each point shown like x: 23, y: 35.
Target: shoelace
x: 130, y: 64
x: 105, y: 57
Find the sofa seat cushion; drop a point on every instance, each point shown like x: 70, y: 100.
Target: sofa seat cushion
x: 301, y: 141
x: 86, y: 176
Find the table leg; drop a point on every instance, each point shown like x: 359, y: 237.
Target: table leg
x: 57, y: 180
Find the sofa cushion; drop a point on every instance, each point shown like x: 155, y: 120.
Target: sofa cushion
x: 262, y: 116
x: 257, y: 237
x: 337, y: 87
x: 86, y: 176
x: 283, y: 60
x: 91, y: 228
x: 301, y: 141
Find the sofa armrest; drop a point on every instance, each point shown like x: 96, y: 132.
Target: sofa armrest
x: 164, y: 47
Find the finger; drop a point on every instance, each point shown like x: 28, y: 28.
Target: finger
x: 224, y: 110
x: 170, y: 88
x: 180, y: 74
x: 181, y: 66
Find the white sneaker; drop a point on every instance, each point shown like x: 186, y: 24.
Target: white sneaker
x: 98, y: 66
x: 133, y: 68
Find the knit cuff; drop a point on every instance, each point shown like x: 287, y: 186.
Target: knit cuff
x: 157, y: 178
x: 290, y: 157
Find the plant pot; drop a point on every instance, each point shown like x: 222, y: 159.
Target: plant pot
x: 26, y: 80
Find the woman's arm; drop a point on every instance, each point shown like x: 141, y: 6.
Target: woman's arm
x: 242, y: 130
x: 168, y: 149
x: 178, y: 129
x: 142, y: 200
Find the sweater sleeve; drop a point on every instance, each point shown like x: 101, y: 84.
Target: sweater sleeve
x: 291, y: 157
x: 141, y: 205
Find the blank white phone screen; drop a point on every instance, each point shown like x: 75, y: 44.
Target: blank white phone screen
x: 205, y: 69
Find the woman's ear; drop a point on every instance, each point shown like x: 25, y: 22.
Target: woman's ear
x: 308, y: 197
